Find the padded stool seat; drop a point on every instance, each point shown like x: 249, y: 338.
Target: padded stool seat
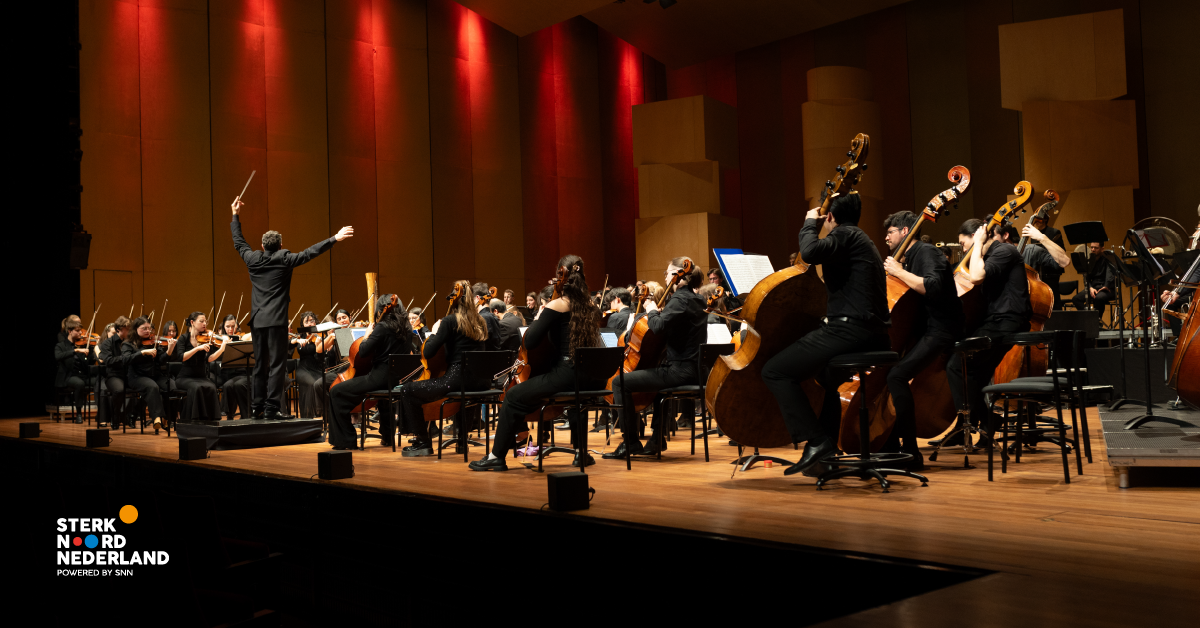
x: 681, y: 390
x: 972, y: 345
x: 1023, y: 385
x: 866, y: 359
x: 1026, y: 338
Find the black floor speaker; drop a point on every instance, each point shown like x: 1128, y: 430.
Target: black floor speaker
x: 569, y: 491
x: 194, y: 448
x: 31, y: 430
x: 97, y: 438
x: 335, y: 465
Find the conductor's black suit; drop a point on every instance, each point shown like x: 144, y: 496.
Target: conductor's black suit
x: 271, y: 279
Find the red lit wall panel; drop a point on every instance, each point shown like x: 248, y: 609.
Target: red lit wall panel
x: 539, y: 169
x: 622, y: 85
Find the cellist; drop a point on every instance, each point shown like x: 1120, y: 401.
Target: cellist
x: 856, y: 319
x: 927, y: 272
x: 998, y: 268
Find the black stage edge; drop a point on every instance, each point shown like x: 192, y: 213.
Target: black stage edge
x: 360, y: 556
x: 248, y: 433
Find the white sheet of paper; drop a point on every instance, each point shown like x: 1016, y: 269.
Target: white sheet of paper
x: 327, y: 326
x: 523, y: 331
x: 760, y: 268
x: 718, y: 334
x: 610, y: 339
x: 745, y: 271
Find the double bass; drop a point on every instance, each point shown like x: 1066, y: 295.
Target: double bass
x: 906, y: 307
x: 1185, y: 365
x: 783, y: 307
x: 1023, y: 361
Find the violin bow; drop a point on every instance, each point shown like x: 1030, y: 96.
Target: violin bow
x: 427, y: 303
x: 602, y: 293
x: 219, y: 307
x: 244, y: 317
x: 330, y: 311
x: 164, y: 310
x: 93, y: 323
x: 239, y: 310
x: 141, y: 310
x: 293, y: 319
x: 364, y: 306
x: 130, y: 311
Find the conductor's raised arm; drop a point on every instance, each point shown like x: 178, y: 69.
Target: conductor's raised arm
x: 296, y: 259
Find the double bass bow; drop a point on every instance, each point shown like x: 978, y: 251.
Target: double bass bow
x: 781, y: 308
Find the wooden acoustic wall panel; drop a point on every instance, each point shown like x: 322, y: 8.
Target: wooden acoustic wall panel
x: 110, y: 172
x: 829, y: 127
x: 661, y: 239
x: 297, y: 181
x: 176, y: 160
x: 239, y: 139
x: 352, y: 182
x: 836, y: 82
x: 1083, y: 144
x: 669, y: 189
x: 405, y: 227
x: 796, y: 58
x: 762, y: 153
x: 529, y: 16
x: 684, y: 130
x: 495, y: 154
x: 1078, y: 57
x: 539, y: 169
x: 450, y: 144
x: 627, y: 78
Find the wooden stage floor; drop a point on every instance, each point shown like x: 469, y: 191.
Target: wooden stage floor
x: 1087, y: 553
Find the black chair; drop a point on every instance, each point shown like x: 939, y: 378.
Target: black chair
x: 1027, y: 394
x: 291, y: 392
x: 866, y: 465
x: 593, y: 364
x: 705, y: 358
x: 401, y: 366
x: 1065, y: 367
x: 173, y: 400
x: 1065, y: 289
x: 478, y: 366
x: 965, y: 348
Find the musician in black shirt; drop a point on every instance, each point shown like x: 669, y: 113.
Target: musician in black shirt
x: 310, y: 370
x: 618, y: 299
x: 682, y: 321
x: 927, y: 272
x: 510, y: 326
x: 1044, y: 253
x: 481, y: 294
x: 1100, y: 284
x: 109, y: 355
x: 997, y: 268
x: 72, y: 364
x: 857, y: 319
x: 234, y: 379
x: 142, y: 367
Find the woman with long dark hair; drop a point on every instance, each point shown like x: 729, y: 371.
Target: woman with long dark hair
x: 234, y: 379
x: 202, y: 403
x: 311, y: 369
x: 569, y: 322
x: 388, y: 336
x: 143, y: 356
x: 462, y: 330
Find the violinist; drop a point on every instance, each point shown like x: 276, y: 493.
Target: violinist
x: 311, y: 369
x: 73, y: 318
x: 388, y: 336
x: 618, y: 302
x: 569, y: 322
x: 682, y: 321
x: 72, y: 364
x: 463, y: 329
x: 927, y: 272
x: 510, y: 326
x: 1000, y: 269
x: 482, y: 298
x: 114, y: 368
x: 856, y: 319
x: 234, y: 380
x: 108, y: 332
x: 1100, y: 283
x: 196, y: 349
x: 143, y: 357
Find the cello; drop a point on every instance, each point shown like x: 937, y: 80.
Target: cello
x: 644, y: 349
x: 783, y: 307
x: 435, y: 365
x: 906, y: 307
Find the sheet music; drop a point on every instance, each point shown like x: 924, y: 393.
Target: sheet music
x: 327, y: 326
x: 742, y: 272
x: 718, y: 334
x: 610, y: 339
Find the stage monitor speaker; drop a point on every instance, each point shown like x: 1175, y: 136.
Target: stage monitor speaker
x: 98, y: 438
x: 193, y: 448
x: 569, y: 491
x: 81, y: 246
x: 31, y: 430
x: 335, y: 465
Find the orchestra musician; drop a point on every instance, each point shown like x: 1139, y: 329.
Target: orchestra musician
x: 72, y: 364
x: 108, y: 332
x: 110, y: 356
x: 463, y: 329
x: 927, y: 272
x: 310, y: 370
x: 857, y: 319
x: 568, y: 322
x: 531, y: 301
x: 511, y: 311
x: 618, y: 299
x: 481, y: 294
x: 390, y: 335
x: 271, y: 280
x: 416, y: 321
x: 1100, y: 282
x: 62, y: 332
x: 201, y: 403
x: 682, y: 321
x: 1046, y: 255
x: 998, y: 269
x: 508, y: 298
x: 144, y: 357
x: 509, y: 326
x: 234, y: 380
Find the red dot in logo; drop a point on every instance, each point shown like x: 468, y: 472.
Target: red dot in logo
x: 76, y: 541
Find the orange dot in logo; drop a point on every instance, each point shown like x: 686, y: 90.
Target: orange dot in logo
x: 128, y: 514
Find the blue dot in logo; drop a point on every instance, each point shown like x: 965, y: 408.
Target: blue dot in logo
x: 91, y: 541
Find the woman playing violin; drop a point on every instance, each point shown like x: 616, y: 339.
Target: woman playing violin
x: 462, y: 330
x: 196, y: 349
x: 311, y: 369
x: 234, y: 380
x: 388, y: 336
x: 569, y: 322
x: 72, y: 361
x: 416, y: 320
x: 143, y: 356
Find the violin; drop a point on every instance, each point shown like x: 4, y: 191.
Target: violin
x: 89, y: 339
x: 531, y: 362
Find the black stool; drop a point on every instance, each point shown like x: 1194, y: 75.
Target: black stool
x: 866, y: 465
x: 964, y: 348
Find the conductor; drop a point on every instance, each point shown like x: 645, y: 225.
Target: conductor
x: 271, y: 280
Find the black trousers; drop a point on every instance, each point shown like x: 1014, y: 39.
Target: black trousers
x: 151, y: 395
x: 807, y: 358
x: 980, y: 366
x: 929, y: 348
x: 114, y: 410
x: 666, y: 375
x: 429, y: 390
x: 526, y: 398
x: 345, y: 396
x: 1101, y: 300
x: 271, y: 351
x: 235, y: 396
x: 79, y: 389
x: 312, y: 392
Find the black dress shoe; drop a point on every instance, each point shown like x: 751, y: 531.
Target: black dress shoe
x: 624, y: 450
x: 344, y: 447
x: 653, y: 448
x: 257, y: 415
x: 417, y: 450
x: 813, y: 455
x: 273, y: 415
x: 588, y: 458
x: 488, y: 464
x: 918, y: 459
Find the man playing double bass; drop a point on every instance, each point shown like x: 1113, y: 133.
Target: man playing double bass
x: 927, y: 272
x: 856, y: 319
x: 271, y: 280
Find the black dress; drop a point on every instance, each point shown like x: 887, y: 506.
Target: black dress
x: 72, y: 371
x: 310, y: 378
x: 202, y: 403
x: 429, y: 390
x: 142, y: 374
x: 383, y: 342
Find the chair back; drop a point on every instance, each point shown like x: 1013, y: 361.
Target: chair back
x: 290, y: 365
x: 482, y: 366
x: 597, y: 364
x: 1067, y: 287
x: 708, y: 356
x: 400, y: 365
